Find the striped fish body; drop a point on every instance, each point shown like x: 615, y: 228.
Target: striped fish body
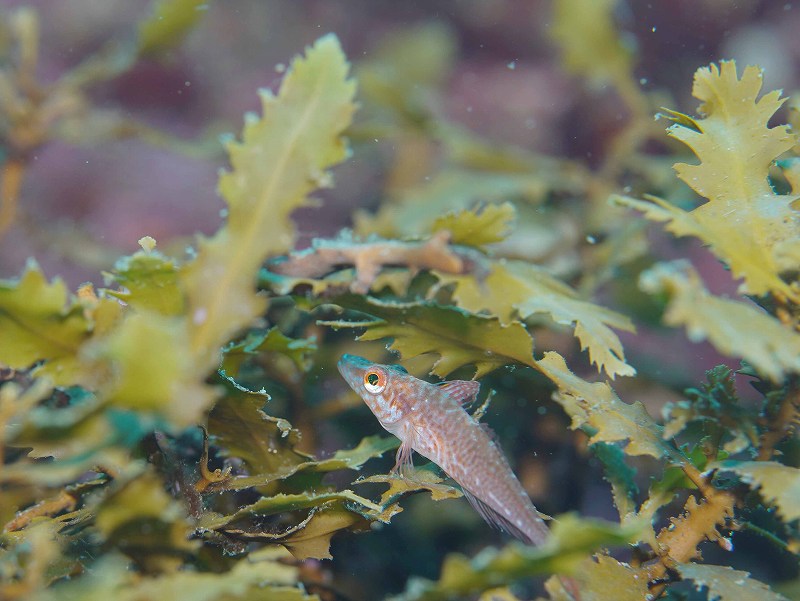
x: 432, y: 421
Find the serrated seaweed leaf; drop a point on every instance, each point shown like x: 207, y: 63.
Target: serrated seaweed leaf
x: 735, y: 328
x: 299, y: 350
x: 288, y: 460
x: 515, y: 290
x: 283, y: 157
x: 168, y: 23
x: 150, y: 282
x: 419, y: 480
x: 456, y: 336
x: 329, y: 513
x: 572, y: 540
x: 281, y: 503
x: 141, y: 519
x: 619, y: 475
x: 259, y: 579
x: 454, y: 189
x: 314, y: 540
x: 715, y: 404
x: 34, y: 557
x: 597, y: 406
x: 152, y: 372
x: 402, y: 75
x: 590, y: 43
x: 40, y: 321
x: 778, y: 484
x: 744, y: 221
x: 602, y: 578
x: 478, y: 227
x: 352, y: 459
x: 266, y: 444
x: 723, y: 583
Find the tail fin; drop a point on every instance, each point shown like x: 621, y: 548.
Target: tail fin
x: 533, y: 531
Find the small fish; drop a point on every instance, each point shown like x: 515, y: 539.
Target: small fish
x: 431, y: 420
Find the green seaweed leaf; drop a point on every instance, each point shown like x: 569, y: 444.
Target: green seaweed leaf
x: 716, y: 405
x: 239, y: 426
x: 735, y: 328
x: 514, y: 289
x: 152, y: 372
x: 726, y: 584
x: 453, y: 189
x: 282, y: 503
x: 597, y: 406
x: 478, y: 227
x: 744, y: 221
x: 403, y: 74
x: 150, y: 282
x: 602, y: 578
x: 352, y: 459
x: 40, y: 322
x: 420, y: 479
x: 260, y: 577
x: 572, y: 539
x: 458, y: 338
x: 329, y: 513
x: 619, y: 475
x: 282, y: 158
x: 778, y: 484
x: 168, y: 23
x: 590, y: 42
x: 141, y: 518
x: 299, y: 350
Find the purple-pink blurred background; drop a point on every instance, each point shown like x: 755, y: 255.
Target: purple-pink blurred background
x: 84, y: 206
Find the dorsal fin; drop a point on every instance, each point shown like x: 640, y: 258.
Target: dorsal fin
x: 463, y: 391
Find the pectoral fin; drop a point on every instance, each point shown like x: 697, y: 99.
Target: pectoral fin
x: 404, y: 463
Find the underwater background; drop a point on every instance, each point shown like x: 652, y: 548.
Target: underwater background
x: 589, y: 206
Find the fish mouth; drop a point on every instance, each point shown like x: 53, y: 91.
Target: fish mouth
x: 352, y: 362
x: 352, y: 367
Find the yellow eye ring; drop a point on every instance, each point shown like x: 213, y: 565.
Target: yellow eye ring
x: 375, y: 381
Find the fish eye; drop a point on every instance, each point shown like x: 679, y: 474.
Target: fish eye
x: 374, y: 381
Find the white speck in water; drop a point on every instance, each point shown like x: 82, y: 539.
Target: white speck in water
x: 469, y: 109
x: 200, y: 316
x: 591, y: 239
x: 512, y: 65
x: 643, y: 81
x: 187, y: 83
x: 653, y: 29
x: 280, y: 67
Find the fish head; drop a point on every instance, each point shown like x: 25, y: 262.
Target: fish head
x: 382, y: 387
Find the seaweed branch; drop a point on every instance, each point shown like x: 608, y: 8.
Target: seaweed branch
x: 368, y: 258
x: 782, y: 424
x: 679, y: 542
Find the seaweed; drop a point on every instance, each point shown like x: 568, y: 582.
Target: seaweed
x: 161, y: 435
